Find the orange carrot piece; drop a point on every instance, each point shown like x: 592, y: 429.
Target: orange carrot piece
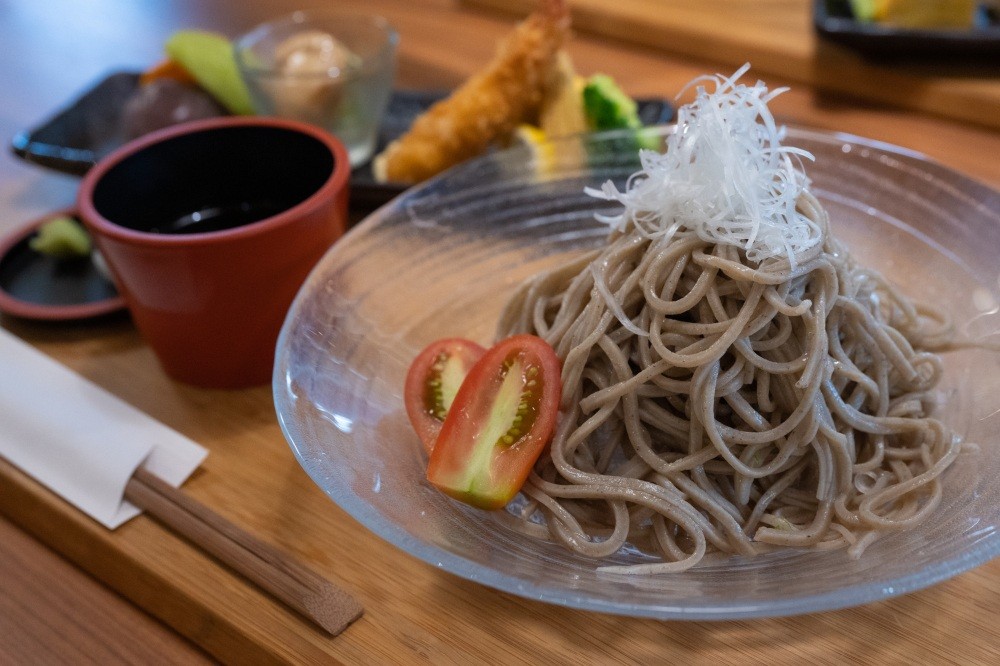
x: 166, y: 69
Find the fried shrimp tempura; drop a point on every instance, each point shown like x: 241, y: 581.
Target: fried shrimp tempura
x: 487, y: 107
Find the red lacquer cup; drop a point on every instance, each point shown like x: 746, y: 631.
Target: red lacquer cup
x: 209, y: 229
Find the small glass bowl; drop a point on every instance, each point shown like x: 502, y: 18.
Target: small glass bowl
x: 330, y: 69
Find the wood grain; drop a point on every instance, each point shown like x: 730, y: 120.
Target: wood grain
x: 778, y: 38
x: 42, y: 595
x: 415, y: 613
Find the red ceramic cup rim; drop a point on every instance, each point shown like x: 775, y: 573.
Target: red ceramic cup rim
x: 29, y: 310
x: 335, y: 183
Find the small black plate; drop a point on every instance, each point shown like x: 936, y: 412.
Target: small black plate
x: 37, y: 286
x: 78, y: 136
x: 835, y: 21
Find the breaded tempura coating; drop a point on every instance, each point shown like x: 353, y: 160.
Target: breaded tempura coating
x: 487, y: 107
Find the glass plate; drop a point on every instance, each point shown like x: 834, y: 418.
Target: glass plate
x: 440, y: 261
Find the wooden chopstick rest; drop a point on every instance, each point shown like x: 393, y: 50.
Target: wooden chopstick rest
x: 284, y: 577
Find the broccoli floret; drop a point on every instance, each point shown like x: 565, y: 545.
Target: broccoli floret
x: 607, y: 107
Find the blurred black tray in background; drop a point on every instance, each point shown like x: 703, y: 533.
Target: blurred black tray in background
x: 834, y: 21
x: 76, y: 137
x: 90, y: 127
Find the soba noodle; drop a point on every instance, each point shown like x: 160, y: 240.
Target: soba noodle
x: 720, y: 398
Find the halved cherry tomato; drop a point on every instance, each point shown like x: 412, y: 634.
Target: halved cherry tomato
x: 500, y: 422
x: 432, y: 382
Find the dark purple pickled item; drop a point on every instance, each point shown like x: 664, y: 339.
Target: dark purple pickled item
x: 165, y: 102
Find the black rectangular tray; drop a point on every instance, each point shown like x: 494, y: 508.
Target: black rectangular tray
x: 78, y: 136
x: 979, y: 45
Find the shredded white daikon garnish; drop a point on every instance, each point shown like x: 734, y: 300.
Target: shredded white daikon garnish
x: 724, y: 176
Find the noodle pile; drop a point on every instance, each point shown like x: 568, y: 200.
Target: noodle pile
x: 731, y: 397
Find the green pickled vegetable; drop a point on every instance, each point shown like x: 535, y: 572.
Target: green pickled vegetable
x: 209, y: 58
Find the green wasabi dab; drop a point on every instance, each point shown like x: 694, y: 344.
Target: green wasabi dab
x: 61, y: 237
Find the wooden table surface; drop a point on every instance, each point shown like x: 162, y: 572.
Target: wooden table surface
x: 72, y: 592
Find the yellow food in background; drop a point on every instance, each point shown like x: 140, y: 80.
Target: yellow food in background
x: 562, y: 108
x: 543, y: 153
x: 917, y: 13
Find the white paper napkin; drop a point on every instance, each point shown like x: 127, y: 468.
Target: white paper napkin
x: 77, y: 439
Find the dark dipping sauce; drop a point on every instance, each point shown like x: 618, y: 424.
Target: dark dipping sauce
x: 218, y: 218
x: 213, y: 180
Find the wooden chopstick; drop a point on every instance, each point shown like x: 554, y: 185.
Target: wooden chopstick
x: 288, y: 580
